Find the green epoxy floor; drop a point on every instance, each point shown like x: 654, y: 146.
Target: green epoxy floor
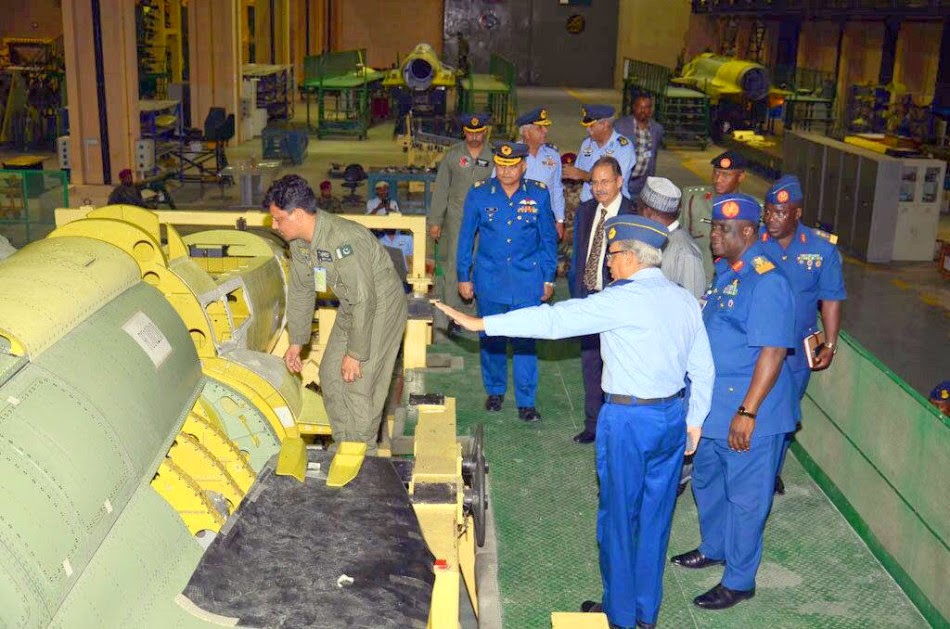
x: 816, y: 572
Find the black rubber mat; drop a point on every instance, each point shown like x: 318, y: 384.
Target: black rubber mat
x: 284, y: 558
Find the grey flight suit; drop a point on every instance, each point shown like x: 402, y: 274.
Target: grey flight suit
x: 346, y: 258
x: 457, y: 173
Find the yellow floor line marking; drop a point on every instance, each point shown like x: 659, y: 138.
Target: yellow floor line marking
x: 575, y: 95
x: 901, y: 284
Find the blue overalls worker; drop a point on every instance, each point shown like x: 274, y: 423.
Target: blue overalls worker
x: 812, y: 264
x: 652, y: 338
x: 544, y: 162
x: 750, y: 318
x: 602, y: 140
x: 513, y: 268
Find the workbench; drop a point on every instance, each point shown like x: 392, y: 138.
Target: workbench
x: 344, y: 79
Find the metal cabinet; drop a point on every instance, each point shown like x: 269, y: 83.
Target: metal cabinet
x: 882, y: 208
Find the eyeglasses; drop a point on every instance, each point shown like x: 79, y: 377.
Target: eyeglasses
x: 611, y: 254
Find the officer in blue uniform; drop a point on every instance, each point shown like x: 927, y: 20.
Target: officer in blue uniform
x: 750, y: 318
x: 652, y: 337
x: 812, y: 264
x: 544, y: 162
x: 513, y: 268
x: 602, y: 140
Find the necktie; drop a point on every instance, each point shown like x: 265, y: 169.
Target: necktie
x: 593, y: 260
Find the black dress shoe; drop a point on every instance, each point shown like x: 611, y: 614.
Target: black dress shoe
x: 585, y: 436
x: 695, y: 560
x: 529, y: 414
x: 645, y: 625
x: 591, y: 607
x: 779, y: 486
x: 681, y: 488
x: 493, y: 403
x: 721, y: 597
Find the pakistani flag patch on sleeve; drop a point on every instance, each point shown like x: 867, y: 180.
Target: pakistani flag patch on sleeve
x: 343, y: 251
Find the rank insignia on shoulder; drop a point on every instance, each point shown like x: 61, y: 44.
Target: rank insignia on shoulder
x: 623, y: 141
x: 551, y: 146
x: 762, y: 264
x: 343, y: 251
x: 541, y: 184
x: 832, y: 238
x: 478, y: 183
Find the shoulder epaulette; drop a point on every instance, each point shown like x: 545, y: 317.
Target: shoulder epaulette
x: 479, y: 182
x: 539, y: 184
x: 761, y: 264
x: 623, y: 141
x: 551, y: 146
x: 832, y: 238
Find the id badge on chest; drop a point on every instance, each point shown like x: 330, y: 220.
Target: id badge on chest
x: 319, y: 279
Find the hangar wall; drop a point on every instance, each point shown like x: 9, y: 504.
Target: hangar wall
x: 534, y: 35
x: 386, y: 28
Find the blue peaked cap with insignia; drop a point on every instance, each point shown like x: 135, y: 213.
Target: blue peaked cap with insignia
x: 634, y: 227
x: 509, y: 153
x: 941, y: 392
x: 786, y: 190
x: 592, y: 113
x: 474, y: 122
x: 736, y: 207
x: 730, y: 160
x: 537, y: 116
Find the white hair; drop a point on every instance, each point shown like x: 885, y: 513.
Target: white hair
x: 647, y: 255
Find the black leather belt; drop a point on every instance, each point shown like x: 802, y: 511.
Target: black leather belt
x: 629, y: 400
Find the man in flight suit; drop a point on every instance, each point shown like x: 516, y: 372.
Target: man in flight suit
x: 750, y: 319
x: 462, y: 165
x: 513, y: 268
x: 727, y: 175
x: 812, y: 264
x: 331, y: 252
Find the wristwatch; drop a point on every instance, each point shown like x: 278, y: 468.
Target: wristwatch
x: 741, y: 411
x: 832, y: 346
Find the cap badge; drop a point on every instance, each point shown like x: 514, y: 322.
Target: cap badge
x: 725, y: 162
x: 474, y: 121
x: 612, y: 233
x: 544, y: 114
x: 506, y: 150
x: 782, y: 196
x: 730, y: 209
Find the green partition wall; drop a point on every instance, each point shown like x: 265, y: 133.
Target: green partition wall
x: 882, y: 454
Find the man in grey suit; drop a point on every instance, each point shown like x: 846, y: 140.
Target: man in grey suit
x: 589, y: 274
x: 646, y: 135
x: 682, y: 259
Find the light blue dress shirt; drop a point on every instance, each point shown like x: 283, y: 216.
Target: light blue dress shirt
x: 546, y: 167
x: 617, y: 147
x: 651, y: 337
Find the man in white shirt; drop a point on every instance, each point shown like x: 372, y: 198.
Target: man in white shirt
x: 381, y: 204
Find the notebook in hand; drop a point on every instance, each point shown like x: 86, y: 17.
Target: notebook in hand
x: 813, y: 343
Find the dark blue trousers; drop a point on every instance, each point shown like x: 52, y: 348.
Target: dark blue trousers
x: 494, y: 358
x: 592, y: 366
x: 800, y: 376
x: 733, y: 493
x: 639, y: 454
